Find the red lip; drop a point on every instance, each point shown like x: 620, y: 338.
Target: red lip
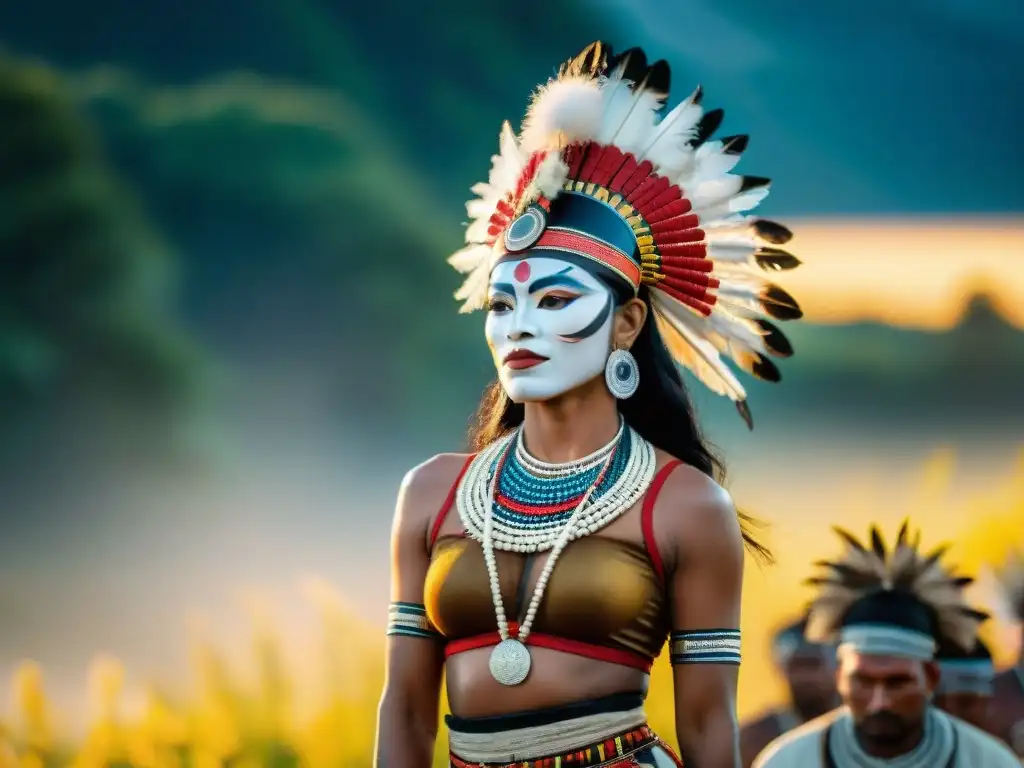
x: 520, y: 359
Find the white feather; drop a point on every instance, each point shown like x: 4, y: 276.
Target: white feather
x: 562, y: 111
x: 469, y: 258
x: 711, y: 162
x: 476, y: 232
x: 551, y: 175
x: 707, y: 193
x: 690, y: 348
x: 668, y: 148
x: 742, y: 202
x: 733, y: 251
x: 473, y: 292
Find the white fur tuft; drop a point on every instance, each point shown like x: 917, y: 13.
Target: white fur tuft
x: 551, y: 176
x: 563, y: 111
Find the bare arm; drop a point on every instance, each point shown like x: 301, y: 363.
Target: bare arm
x: 706, y: 578
x: 408, y: 714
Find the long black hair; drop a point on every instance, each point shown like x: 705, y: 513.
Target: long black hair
x: 660, y: 410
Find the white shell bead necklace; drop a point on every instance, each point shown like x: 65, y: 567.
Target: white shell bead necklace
x: 510, y: 660
x: 476, y: 491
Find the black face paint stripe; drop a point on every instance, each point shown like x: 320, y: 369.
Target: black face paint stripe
x: 596, y: 324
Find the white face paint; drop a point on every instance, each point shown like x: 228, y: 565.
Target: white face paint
x: 548, y: 327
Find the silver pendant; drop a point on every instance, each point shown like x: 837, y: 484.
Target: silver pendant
x: 510, y: 662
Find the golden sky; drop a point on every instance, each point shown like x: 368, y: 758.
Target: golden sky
x: 909, y: 273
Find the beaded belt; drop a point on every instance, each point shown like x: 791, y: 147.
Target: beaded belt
x: 620, y: 745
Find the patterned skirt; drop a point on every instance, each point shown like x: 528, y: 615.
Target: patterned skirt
x: 604, y: 733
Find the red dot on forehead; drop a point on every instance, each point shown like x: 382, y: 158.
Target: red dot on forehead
x: 522, y: 273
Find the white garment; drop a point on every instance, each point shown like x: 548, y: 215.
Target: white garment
x: 803, y: 747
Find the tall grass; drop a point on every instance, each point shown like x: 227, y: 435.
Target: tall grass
x: 265, y: 717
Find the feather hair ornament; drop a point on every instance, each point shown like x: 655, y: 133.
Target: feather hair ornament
x: 870, y: 569
x: 600, y: 130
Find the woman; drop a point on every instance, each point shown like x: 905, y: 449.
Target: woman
x: 545, y: 571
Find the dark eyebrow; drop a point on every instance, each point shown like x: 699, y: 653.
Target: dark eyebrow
x: 559, y: 278
x: 506, y: 288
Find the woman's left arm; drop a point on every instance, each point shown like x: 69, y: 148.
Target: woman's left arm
x: 701, y: 528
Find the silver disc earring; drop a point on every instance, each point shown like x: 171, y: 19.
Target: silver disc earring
x: 621, y: 374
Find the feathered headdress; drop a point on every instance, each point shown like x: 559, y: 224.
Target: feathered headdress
x: 598, y: 133
x: 892, y: 602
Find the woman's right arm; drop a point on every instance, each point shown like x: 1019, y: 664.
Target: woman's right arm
x: 407, y: 718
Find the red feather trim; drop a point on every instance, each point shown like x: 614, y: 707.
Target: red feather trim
x: 684, y: 250
x: 647, y: 190
x: 640, y: 174
x: 505, y: 208
x: 673, y: 209
x: 676, y: 236
x: 528, y: 173
x: 694, y: 304
x: 624, y: 173
x: 686, y: 222
x: 573, y: 157
x: 670, y: 195
x: 677, y: 262
x: 691, y: 276
x: 698, y: 292
x: 611, y: 160
x: 594, y: 155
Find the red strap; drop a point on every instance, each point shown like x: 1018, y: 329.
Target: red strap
x: 565, y: 645
x: 448, y: 502
x: 647, y: 517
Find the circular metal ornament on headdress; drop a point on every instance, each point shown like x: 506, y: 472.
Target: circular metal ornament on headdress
x: 510, y: 662
x: 621, y: 374
x: 526, y: 229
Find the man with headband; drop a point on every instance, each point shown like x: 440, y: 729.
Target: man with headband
x: 887, y: 610
x: 965, y: 683
x: 809, y: 671
x: 1008, y: 688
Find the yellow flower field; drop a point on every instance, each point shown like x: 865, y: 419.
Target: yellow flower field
x: 264, y: 712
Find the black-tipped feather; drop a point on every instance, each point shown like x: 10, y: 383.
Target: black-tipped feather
x: 754, y: 182
x: 708, y: 124
x: 632, y: 63
x: 735, y: 145
x: 765, y: 370
x: 901, y: 537
x: 744, y: 411
x: 775, y: 339
x: 772, y: 232
x: 934, y: 556
x: 853, y: 578
x: 877, y: 544
x: 779, y: 304
x: 659, y: 77
x: 775, y: 259
x: 849, y: 538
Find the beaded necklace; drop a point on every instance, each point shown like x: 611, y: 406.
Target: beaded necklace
x: 532, y: 500
x: 615, y: 477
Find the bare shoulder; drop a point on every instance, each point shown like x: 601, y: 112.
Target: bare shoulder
x: 694, y: 510
x: 425, y: 488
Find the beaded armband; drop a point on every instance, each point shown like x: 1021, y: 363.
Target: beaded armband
x: 410, y: 620
x: 705, y: 646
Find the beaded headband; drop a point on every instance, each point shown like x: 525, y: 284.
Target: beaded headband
x: 602, y: 172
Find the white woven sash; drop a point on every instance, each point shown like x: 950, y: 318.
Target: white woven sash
x: 542, y: 740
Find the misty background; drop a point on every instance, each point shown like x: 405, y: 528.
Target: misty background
x: 226, y: 323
